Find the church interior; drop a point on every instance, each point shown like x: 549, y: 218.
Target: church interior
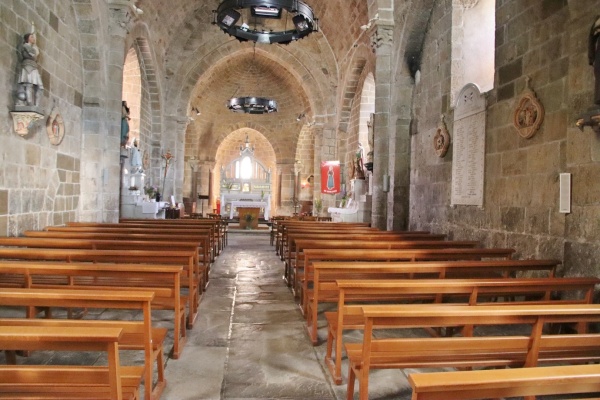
x: 478, y: 120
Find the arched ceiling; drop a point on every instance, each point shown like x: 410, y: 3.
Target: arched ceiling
x: 203, y: 67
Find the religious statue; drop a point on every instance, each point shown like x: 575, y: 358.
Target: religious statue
x: 136, y: 157
x: 124, y: 123
x: 594, y: 56
x: 359, y: 170
x: 31, y: 87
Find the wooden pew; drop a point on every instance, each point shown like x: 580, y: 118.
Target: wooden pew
x: 114, y: 299
x: 398, y: 242
x: 301, y: 281
x: 201, y: 240
x: 325, y: 274
x: 282, y: 227
x: 165, y: 228
x: 500, y: 383
x: 467, y: 352
x: 351, y: 294
x: 374, y: 236
x: 177, y: 257
x: 111, y: 382
x: 163, y: 280
x: 220, y: 226
x: 285, y: 240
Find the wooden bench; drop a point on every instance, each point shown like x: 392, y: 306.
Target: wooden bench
x: 163, y: 257
x: 300, y: 282
x: 500, y: 383
x: 219, y: 225
x: 163, y: 280
x: 147, y: 229
x: 202, y: 241
x: 397, y: 242
x: 374, y: 236
x: 114, y: 299
x: 282, y: 227
x: 515, y: 350
x: 169, y: 228
x: 351, y: 294
x: 325, y: 274
x: 111, y: 382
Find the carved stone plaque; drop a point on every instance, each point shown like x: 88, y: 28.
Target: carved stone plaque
x: 529, y: 113
x: 468, y: 148
x: 441, y: 139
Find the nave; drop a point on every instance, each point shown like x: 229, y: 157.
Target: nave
x: 250, y: 340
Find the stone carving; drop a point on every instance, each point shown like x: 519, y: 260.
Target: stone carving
x: 24, y: 120
x: 441, y: 140
x: 55, y: 128
x: 529, y: 113
x: 382, y: 35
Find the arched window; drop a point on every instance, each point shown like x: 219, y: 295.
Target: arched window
x: 246, y: 168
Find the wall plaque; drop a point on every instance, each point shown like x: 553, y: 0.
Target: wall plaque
x: 529, y: 113
x: 468, y: 148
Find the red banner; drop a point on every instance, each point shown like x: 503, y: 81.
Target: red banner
x: 330, y: 177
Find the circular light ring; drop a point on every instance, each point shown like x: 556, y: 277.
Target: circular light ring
x: 252, y: 105
x: 226, y: 16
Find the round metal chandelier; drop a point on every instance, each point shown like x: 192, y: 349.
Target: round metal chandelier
x: 252, y: 105
x: 262, y: 14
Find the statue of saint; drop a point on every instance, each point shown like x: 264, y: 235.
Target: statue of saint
x: 136, y: 158
x: 30, y: 79
x: 124, y: 123
x: 359, y: 168
x: 594, y: 56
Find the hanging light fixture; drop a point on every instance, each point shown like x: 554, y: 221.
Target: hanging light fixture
x: 267, y: 17
x: 252, y: 104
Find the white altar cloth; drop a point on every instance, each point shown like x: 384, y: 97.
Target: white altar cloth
x: 242, y: 203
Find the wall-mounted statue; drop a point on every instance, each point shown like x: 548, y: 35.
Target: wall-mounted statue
x: 358, y: 171
x: 124, y: 123
x: 31, y: 88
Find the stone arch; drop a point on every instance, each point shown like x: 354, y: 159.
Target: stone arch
x: 313, y: 81
x: 138, y: 38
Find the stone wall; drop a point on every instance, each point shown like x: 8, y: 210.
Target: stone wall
x: 40, y: 182
x: 546, y: 41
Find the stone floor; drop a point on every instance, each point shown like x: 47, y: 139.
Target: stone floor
x: 250, y: 340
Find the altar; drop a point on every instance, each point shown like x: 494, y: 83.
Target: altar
x: 236, y: 204
x: 231, y: 201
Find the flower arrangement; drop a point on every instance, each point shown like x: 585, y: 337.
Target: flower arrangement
x: 344, y: 199
x: 150, y: 191
x: 318, y: 204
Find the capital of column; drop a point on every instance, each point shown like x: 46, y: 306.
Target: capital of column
x: 382, y: 35
x: 123, y: 14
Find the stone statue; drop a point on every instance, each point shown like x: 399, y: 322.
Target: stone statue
x: 124, y: 123
x: 136, y: 158
x: 594, y: 56
x: 359, y: 170
x: 31, y: 87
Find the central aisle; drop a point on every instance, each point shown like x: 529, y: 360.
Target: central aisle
x: 250, y: 340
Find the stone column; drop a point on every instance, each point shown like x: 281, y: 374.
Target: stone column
x: 382, y: 46
x: 173, y: 140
